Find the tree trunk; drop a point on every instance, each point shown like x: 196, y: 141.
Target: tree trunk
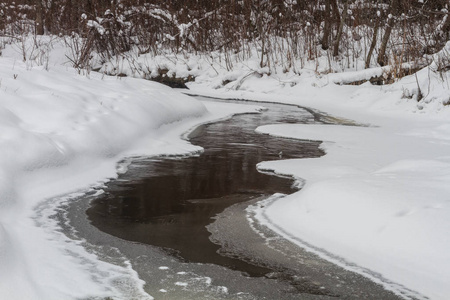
x: 373, y: 44
x: 382, y: 59
x: 336, y: 14
x: 341, y: 28
x: 39, y: 19
x: 394, y: 11
x: 327, y: 26
x: 446, y: 27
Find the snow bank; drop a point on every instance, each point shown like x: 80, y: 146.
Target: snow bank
x: 377, y: 202
x: 61, y: 132
x: 379, y: 198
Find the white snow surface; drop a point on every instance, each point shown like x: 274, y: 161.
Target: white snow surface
x: 61, y: 133
x: 379, y: 198
x: 378, y: 202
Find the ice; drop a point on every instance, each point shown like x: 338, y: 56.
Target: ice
x: 60, y: 132
x: 179, y: 283
x: 378, y: 199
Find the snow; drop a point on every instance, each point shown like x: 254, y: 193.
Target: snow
x: 62, y: 132
x: 378, y: 202
x: 181, y: 283
x: 379, y: 198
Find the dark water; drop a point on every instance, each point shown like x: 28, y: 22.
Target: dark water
x: 167, y: 202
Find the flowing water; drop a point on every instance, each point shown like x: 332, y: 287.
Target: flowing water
x: 181, y: 222
x: 168, y: 202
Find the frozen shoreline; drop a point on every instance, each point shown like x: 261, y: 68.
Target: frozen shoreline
x: 378, y: 198
x: 62, y: 131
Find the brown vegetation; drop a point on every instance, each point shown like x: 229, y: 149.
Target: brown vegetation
x: 392, y: 31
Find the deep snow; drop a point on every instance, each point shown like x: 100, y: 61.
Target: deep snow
x: 62, y: 132
x: 378, y: 202
x: 378, y: 199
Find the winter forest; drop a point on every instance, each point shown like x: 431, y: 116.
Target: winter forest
x: 284, y: 35
x: 225, y: 149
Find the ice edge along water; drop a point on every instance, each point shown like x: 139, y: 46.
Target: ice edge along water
x: 62, y: 133
x: 60, y: 128
x: 379, y: 197
x: 257, y: 213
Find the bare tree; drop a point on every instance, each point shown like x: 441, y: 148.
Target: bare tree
x: 341, y: 28
x: 39, y: 18
x: 394, y: 10
x: 327, y: 25
x: 373, y: 44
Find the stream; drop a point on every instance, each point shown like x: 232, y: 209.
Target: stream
x: 182, y: 224
x: 168, y: 202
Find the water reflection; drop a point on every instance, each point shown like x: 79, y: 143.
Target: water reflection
x: 168, y: 202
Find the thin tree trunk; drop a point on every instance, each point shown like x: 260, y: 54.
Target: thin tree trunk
x: 446, y: 27
x: 327, y: 26
x: 382, y: 59
x: 336, y: 14
x: 373, y: 44
x: 394, y: 11
x: 39, y: 19
x: 341, y: 28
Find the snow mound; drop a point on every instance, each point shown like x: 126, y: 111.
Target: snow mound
x: 60, y: 132
x: 378, y: 199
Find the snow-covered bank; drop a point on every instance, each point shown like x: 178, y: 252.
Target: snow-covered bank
x: 379, y: 198
x: 62, y: 132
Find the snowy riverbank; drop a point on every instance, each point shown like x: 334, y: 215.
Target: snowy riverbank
x: 62, y: 132
x: 379, y: 199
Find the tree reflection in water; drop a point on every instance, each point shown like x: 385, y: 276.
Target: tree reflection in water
x: 168, y: 202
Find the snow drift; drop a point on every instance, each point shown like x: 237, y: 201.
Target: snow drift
x: 60, y: 132
x: 377, y: 202
x: 378, y: 199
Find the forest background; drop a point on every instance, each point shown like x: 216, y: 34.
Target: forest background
x: 283, y: 36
